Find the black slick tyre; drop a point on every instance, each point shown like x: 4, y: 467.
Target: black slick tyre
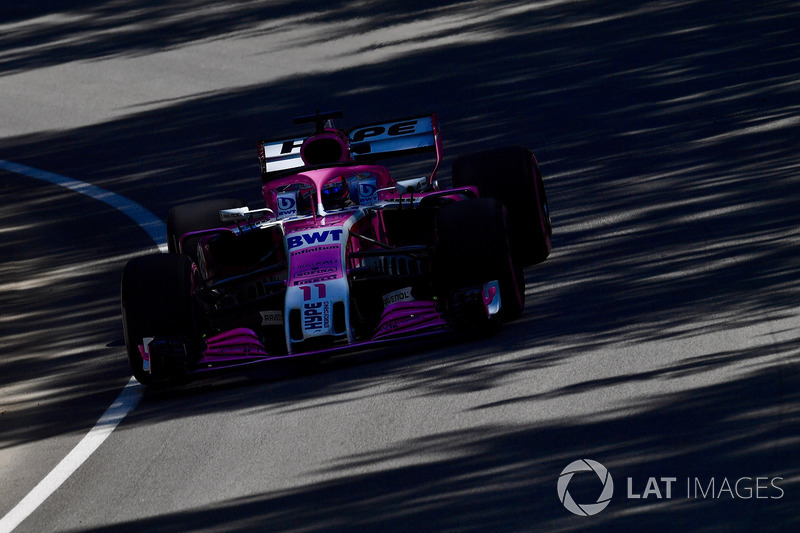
x: 510, y: 174
x: 473, y: 248
x: 157, y: 302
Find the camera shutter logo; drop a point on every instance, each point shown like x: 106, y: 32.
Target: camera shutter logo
x: 586, y: 509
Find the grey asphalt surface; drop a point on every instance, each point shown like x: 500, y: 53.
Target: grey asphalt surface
x: 660, y: 339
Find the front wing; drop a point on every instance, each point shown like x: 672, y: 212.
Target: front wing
x: 401, y: 321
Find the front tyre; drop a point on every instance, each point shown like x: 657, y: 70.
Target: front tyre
x: 473, y: 248
x: 511, y: 175
x: 157, y: 302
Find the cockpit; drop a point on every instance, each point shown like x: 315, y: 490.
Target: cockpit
x: 341, y: 188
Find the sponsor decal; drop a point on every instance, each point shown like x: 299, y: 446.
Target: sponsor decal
x: 402, y: 295
x: 315, y: 270
x: 282, y: 149
x: 313, y: 237
x: 287, y: 204
x: 316, y: 309
x: 229, y: 215
x: 325, y: 261
x: 316, y: 316
x: 316, y: 263
x: 271, y: 318
x: 282, y: 155
x: 407, y: 127
x: 291, y: 146
x: 316, y: 279
x: 368, y: 191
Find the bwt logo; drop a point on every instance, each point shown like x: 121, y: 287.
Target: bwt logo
x: 367, y: 192
x: 314, y: 237
x: 286, y: 203
x: 585, y: 509
x: 367, y: 189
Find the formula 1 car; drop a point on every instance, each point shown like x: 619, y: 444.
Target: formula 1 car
x: 344, y: 255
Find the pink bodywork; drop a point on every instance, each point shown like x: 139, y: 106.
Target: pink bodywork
x: 241, y: 346
x: 398, y: 321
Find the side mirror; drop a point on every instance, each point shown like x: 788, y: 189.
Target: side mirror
x: 244, y: 213
x: 412, y: 185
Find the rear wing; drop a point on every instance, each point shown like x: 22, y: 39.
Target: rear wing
x: 369, y: 142
x: 396, y: 138
x: 276, y: 157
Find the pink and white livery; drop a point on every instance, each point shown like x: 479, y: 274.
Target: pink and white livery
x: 344, y: 255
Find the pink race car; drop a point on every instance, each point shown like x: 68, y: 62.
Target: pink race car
x: 344, y: 255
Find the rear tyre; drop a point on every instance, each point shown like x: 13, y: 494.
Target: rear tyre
x: 195, y: 216
x: 157, y: 302
x: 473, y: 248
x: 511, y: 175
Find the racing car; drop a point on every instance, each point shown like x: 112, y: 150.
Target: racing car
x: 343, y: 256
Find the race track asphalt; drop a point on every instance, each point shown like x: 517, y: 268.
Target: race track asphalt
x: 660, y: 339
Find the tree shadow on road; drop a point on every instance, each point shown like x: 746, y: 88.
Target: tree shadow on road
x: 503, y: 478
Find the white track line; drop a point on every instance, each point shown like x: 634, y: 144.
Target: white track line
x: 123, y: 405
x: 130, y: 395
x: 153, y: 225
